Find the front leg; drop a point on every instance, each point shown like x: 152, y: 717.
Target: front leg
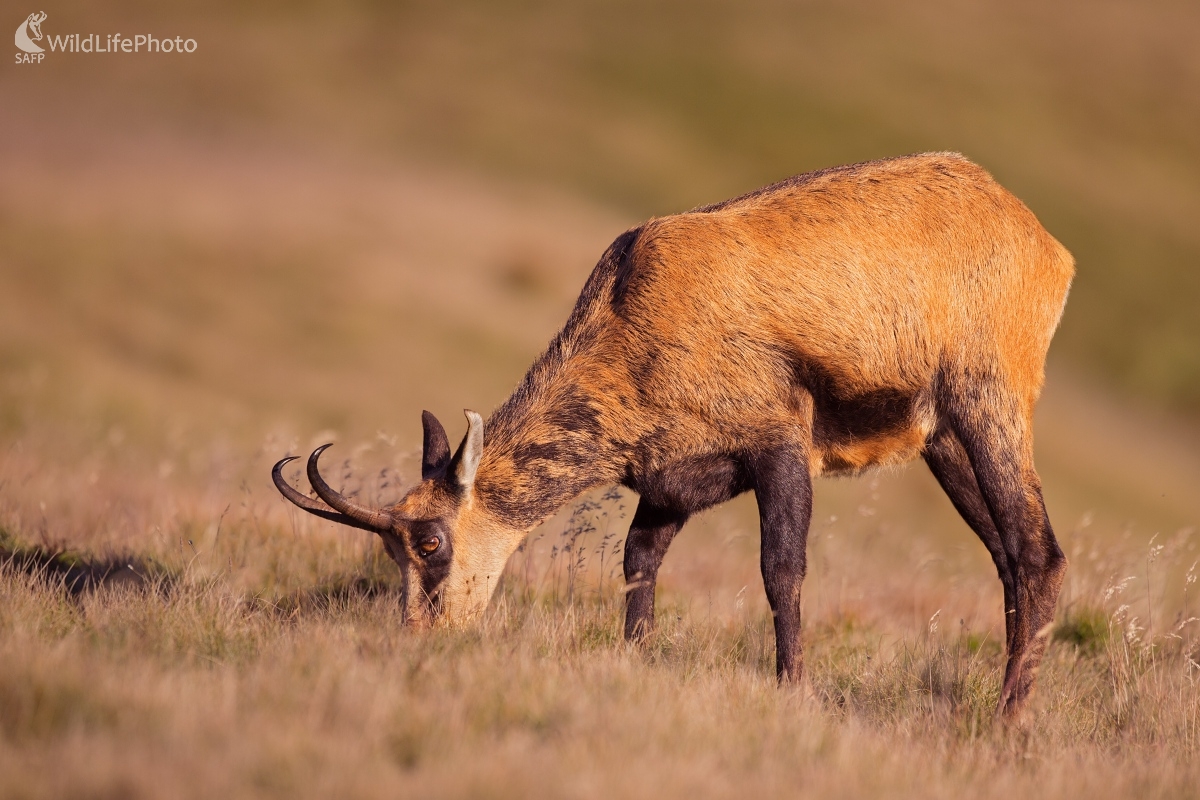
x: 649, y: 536
x: 783, y: 488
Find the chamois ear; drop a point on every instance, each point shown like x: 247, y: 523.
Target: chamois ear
x: 466, y: 460
x: 435, y: 454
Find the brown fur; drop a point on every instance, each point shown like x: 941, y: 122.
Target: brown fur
x: 840, y: 320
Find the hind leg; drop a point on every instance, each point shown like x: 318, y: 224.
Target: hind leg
x: 949, y: 464
x: 997, y: 439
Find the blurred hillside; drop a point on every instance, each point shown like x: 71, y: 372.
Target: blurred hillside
x: 333, y: 215
x: 1089, y: 111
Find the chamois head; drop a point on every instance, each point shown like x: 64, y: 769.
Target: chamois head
x: 450, y: 549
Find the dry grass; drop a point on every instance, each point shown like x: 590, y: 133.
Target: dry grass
x: 270, y: 660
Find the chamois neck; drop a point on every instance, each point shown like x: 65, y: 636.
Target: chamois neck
x: 544, y: 446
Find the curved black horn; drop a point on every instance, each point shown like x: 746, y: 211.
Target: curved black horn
x: 377, y: 521
x: 307, y: 503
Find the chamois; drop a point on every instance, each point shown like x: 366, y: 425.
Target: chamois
x: 842, y: 319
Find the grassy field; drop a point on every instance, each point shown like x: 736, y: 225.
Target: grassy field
x: 338, y: 217
x: 250, y: 651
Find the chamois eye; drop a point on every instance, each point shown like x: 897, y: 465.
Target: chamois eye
x: 429, y: 545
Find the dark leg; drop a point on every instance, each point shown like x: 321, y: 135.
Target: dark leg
x: 948, y: 462
x: 783, y: 488
x: 646, y: 544
x: 1001, y: 456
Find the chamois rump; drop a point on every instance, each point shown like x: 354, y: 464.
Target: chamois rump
x: 842, y: 319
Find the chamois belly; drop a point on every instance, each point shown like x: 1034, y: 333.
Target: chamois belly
x: 851, y: 456
x: 879, y: 428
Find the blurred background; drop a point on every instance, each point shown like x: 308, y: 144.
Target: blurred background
x: 333, y: 215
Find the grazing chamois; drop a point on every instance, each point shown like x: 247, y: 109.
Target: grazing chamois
x: 839, y: 320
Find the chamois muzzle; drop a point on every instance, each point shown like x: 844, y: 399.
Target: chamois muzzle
x: 341, y: 509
